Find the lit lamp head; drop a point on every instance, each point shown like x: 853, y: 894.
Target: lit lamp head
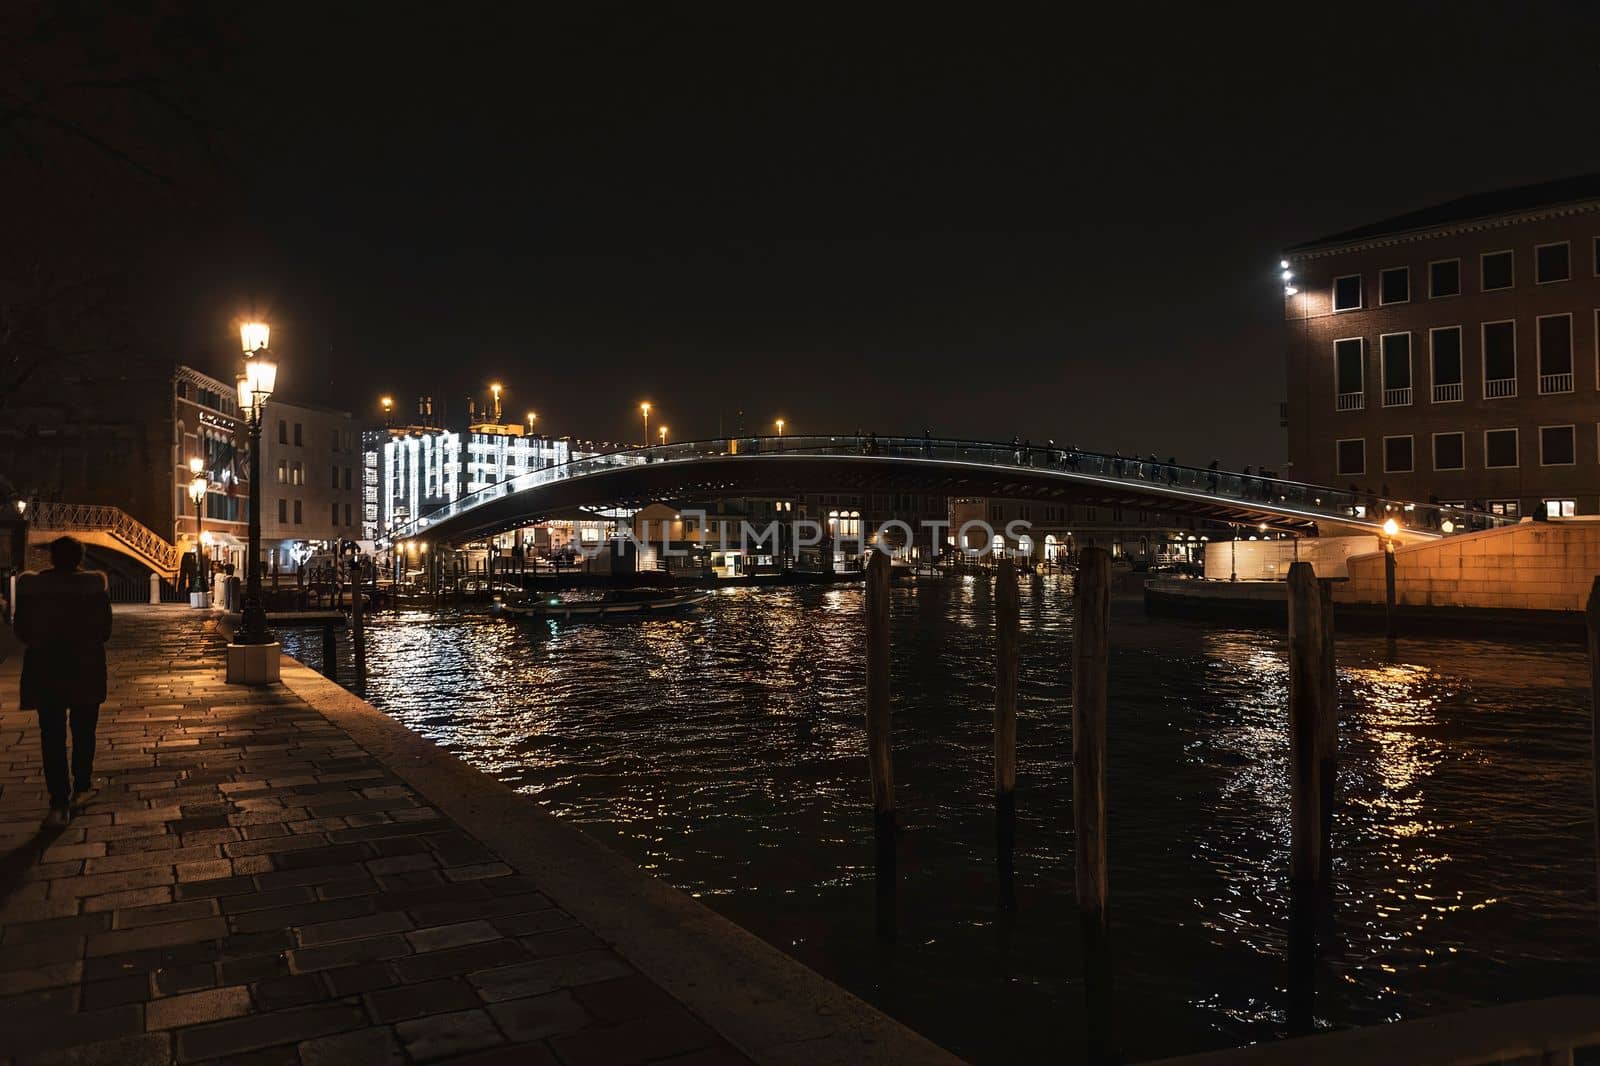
x: 663, y: 434
x: 1448, y: 526
x: 1390, y: 527
x: 387, y: 403
x: 197, y: 489
x: 196, y: 465
x: 257, y: 382
x: 780, y: 427
x: 22, y: 505
x: 254, y: 336
x: 205, y: 538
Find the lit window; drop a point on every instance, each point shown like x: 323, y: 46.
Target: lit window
x: 1498, y: 271
x: 1351, y: 457
x: 1560, y: 508
x: 1449, y: 451
x: 1509, y: 508
x: 1556, y: 447
x: 1394, y: 285
x: 1347, y: 293
x: 1500, y: 448
x: 1444, y: 278
x: 1552, y: 262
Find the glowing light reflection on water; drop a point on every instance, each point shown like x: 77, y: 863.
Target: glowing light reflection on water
x: 724, y: 753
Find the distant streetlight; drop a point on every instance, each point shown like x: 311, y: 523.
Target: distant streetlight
x: 22, y: 505
x: 387, y: 403
x: 494, y: 390
x: 256, y: 384
x: 645, y: 409
x: 663, y: 432
x: 1390, y: 528
x: 780, y: 427
x: 533, y: 420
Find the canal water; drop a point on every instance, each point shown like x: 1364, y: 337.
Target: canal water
x: 724, y: 753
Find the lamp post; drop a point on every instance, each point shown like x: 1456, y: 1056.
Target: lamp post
x: 197, y: 492
x: 255, y: 387
x: 1390, y: 528
x: 780, y: 428
x: 387, y: 403
x: 663, y: 432
x: 645, y: 409
x: 533, y: 420
x: 494, y: 390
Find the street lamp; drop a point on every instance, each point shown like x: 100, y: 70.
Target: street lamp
x: 387, y: 403
x: 494, y: 390
x: 780, y: 427
x: 533, y: 420
x: 1390, y: 528
x: 663, y: 432
x: 197, y: 492
x: 645, y: 409
x: 255, y: 387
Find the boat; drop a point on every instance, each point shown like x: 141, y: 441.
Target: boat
x: 628, y: 603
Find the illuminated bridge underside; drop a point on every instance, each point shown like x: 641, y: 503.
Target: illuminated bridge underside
x: 704, y: 478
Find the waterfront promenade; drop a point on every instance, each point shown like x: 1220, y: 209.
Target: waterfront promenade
x: 286, y: 875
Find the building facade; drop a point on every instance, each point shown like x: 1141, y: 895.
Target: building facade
x: 311, y: 483
x: 1451, y: 353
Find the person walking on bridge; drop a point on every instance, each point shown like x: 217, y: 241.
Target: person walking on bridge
x: 64, y: 619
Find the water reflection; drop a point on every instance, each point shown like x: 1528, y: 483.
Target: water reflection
x: 726, y: 753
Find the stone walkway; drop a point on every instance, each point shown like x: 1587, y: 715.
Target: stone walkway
x: 250, y: 885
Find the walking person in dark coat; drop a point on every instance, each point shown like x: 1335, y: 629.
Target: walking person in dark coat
x: 64, y: 619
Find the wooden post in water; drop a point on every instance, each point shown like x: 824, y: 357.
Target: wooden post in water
x: 1328, y: 734
x: 1592, y: 616
x: 880, y: 759
x: 358, y: 630
x: 1007, y: 626
x: 330, y: 652
x: 1388, y: 588
x: 1091, y: 654
x: 1309, y: 713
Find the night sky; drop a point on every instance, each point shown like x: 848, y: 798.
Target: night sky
x: 1055, y: 226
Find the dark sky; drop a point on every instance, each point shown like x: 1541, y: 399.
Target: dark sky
x: 1055, y: 226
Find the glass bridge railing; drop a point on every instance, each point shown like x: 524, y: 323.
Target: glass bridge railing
x: 1225, y: 487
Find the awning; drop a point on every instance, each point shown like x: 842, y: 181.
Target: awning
x: 224, y: 540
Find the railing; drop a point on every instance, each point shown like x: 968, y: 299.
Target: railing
x: 1157, y: 477
x: 1499, y: 388
x: 1350, y: 401
x: 1450, y: 393
x: 1397, y: 397
x: 142, y: 542
x: 1555, y: 383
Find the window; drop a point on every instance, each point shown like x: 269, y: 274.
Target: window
x: 1394, y: 285
x: 1555, y: 353
x: 1350, y: 457
x: 1397, y: 455
x: 283, y: 471
x: 1597, y: 256
x: 1348, y: 372
x: 334, y: 520
x: 283, y: 432
x: 1499, y: 359
x: 347, y: 515
x: 1552, y: 262
x: 1444, y: 278
x: 297, y: 473
x: 1347, y: 293
x: 347, y: 477
x: 297, y: 512
x: 335, y: 477
x: 1556, y: 446
x: 297, y: 441
x: 1449, y: 451
x: 1510, y: 508
x: 283, y: 511
x: 1499, y: 447
x: 1498, y: 271
x: 1396, y: 369
x: 1560, y: 508
x: 1445, y: 343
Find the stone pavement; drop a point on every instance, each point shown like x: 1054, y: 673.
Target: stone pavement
x: 250, y: 885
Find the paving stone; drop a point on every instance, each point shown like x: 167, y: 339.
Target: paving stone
x: 276, y: 993
x: 196, y: 1007
x: 658, y: 1036
x: 149, y: 1049
x: 372, y: 949
x: 134, y: 917
x: 223, y: 886
x: 439, y: 937
x: 561, y: 942
x: 461, y: 960
x: 41, y: 952
x: 467, y: 910
x: 118, y: 941
x: 537, y: 1017
x: 85, y: 1027
x: 414, y: 1001
x: 265, y: 1030
x: 299, y: 914
x: 172, y: 980
x: 364, y: 1047
x: 135, y: 897
x: 547, y: 975
x: 352, y: 928
x: 354, y: 980
x: 534, y: 922
x: 134, y: 988
x: 441, y: 1036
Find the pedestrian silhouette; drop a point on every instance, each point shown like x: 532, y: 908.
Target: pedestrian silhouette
x: 64, y: 619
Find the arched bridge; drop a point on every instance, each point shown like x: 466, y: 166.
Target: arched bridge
x: 106, y: 527
x: 788, y: 466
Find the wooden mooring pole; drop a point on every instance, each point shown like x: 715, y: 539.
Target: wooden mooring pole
x: 880, y: 759
x: 1007, y: 629
x: 1592, y: 616
x: 1312, y: 722
x: 1091, y: 646
x: 358, y: 630
x: 330, y: 652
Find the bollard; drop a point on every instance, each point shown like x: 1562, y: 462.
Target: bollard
x: 330, y: 652
x: 1309, y: 716
x: 155, y: 588
x: 1090, y: 661
x: 880, y: 760
x: 1006, y: 627
x: 1592, y: 617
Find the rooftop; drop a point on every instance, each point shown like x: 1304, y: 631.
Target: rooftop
x: 1478, y: 205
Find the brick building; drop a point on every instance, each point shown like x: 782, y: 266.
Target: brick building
x: 1451, y: 352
